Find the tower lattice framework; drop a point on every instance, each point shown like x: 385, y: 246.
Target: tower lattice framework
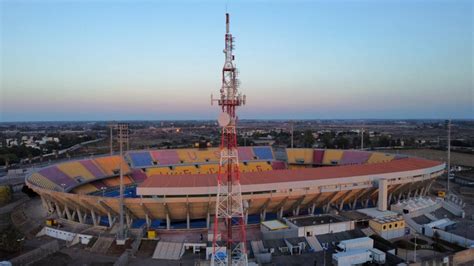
x: 229, y: 246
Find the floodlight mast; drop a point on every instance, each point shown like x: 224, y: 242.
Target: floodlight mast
x: 229, y: 204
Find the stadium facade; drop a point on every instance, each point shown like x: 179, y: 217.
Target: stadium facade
x: 167, y: 188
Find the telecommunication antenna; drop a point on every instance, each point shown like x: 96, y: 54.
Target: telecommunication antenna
x: 229, y: 204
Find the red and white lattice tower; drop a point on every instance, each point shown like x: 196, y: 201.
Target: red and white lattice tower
x: 229, y: 248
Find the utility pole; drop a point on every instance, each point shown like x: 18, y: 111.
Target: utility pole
x: 292, y: 132
x: 111, y: 126
x: 362, y: 139
x: 448, y: 124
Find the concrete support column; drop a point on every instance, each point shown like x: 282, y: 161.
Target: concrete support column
x: 382, y: 198
x: 128, y: 219
x: 208, y: 220
x: 246, y: 216
x: 280, y: 213
x: 79, y: 216
x: 94, y: 218
x: 422, y: 191
x: 326, y: 210
x: 45, y: 204
x: 188, y: 222
x: 429, y: 188
x: 73, y: 214
x: 111, y: 220
x: 58, y: 210
x: 148, y: 220
x: 263, y: 215
x: 313, y: 208
x: 366, y: 203
x: 68, y: 213
x: 341, y: 206
x: 354, y: 204
x: 43, y: 201
x: 168, y: 221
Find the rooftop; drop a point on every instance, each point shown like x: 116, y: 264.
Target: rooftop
x: 274, y: 225
x: 374, y: 213
x: 315, y: 220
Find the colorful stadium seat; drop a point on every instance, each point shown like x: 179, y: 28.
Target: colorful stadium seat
x: 115, y: 181
x: 263, y: 153
x: 138, y: 175
x: 355, y: 157
x: 85, y: 189
x: 302, y: 156
x: 245, y: 154
x: 166, y: 157
x: 209, y: 169
x: 75, y: 170
x: 110, y: 165
x: 58, y: 177
x: 43, y: 182
x: 92, y: 168
x: 255, y: 167
x: 158, y: 171
x: 332, y: 157
x: 198, y: 155
x: 378, y: 157
x: 278, y: 165
x: 141, y: 159
x: 99, y: 184
x: 318, y: 156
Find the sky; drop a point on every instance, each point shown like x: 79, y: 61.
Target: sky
x: 154, y: 60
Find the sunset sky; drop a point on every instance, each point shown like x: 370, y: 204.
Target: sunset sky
x: 122, y: 60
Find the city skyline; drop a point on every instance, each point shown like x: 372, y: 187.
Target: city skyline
x: 110, y: 60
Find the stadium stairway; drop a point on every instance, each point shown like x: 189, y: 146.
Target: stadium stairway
x: 314, y: 243
x: 168, y: 250
x: 368, y: 231
x: 257, y: 246
x: 102, y: 244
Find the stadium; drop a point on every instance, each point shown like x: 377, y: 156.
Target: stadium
x: 176, y: 188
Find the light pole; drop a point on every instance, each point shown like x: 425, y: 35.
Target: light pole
x: 292, y: 129
x: 414, y: 254
x: 448, y: 122
x: 325, y: 247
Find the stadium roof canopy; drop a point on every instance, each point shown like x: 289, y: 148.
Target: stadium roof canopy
x: 206, y: 183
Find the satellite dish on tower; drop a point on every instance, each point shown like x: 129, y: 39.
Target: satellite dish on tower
x: 223, y: 119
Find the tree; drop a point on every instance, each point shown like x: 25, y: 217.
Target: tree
x: 308, y: 139
x: 326, y: 139
x: 384, y: 141
x: 341, y: 142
